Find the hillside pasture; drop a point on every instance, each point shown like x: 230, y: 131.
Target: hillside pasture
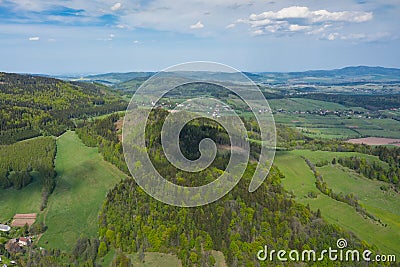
x: 25, y: 200
x: 300, y: 181
x: 83, y: 180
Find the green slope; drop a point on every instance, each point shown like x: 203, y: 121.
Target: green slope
x: 300, y: 181
x: 26, y: 200
x: 82, y: 183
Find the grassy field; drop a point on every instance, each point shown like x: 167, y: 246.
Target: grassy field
x: 331, y: 126
x: 26, y: 200
x: 316, y: 156
x: 300, y: 181
x: 368, y: 191
x: 82, y: 183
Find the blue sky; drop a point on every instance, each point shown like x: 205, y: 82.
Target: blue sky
x: 77, y: 36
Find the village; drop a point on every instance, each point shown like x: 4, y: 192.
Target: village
x: 16, y: 238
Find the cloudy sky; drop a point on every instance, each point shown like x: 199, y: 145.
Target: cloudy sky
x: 80, y: 36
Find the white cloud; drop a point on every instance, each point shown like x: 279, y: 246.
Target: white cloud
x: 198, y: 25
x: 281, y: 18
x: 296, y: 28
x: 332, y: 36
x: 285, y: 13
x: 116, y: 6
x: 296, y: 19
x: 136, y: 42
x: 35, y: 38
x: 347, y: 16
x: 258, y: 32
x: 300, y: 12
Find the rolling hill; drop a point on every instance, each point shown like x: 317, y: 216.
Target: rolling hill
x: 32, y: 105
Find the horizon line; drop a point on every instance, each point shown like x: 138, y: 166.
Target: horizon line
x: 85, y: 74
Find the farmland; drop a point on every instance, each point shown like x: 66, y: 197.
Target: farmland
x: 375, y: 141
x: 327, y: 120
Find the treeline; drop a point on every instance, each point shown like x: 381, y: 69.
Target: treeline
x: 33, y: 105
x: 286, y: 137
x: 23, y: 161
x: 390, y: 155
x: 371, y: 102
x: 289, y: 138
x: 18, y: 134
x: 371, y: 170
x: 349, y: 199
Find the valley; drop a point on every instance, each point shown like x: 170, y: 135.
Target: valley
x: 90, y: 210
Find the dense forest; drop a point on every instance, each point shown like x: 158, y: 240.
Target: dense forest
x: 238, y: 224
x: 33, y: 105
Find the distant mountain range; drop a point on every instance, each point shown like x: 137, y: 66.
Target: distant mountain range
x: 361, y: 74
x: 347, y: 71
x: 355, y: 74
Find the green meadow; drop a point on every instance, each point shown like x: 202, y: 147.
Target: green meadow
x: 25, y: 200
x: 385, y: 205
x: 83, y: 179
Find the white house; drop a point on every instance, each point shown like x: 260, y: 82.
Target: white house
x: 23, y: 241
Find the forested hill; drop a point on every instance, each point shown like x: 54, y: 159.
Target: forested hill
x: 32, y: 105
x: 239, y: 224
